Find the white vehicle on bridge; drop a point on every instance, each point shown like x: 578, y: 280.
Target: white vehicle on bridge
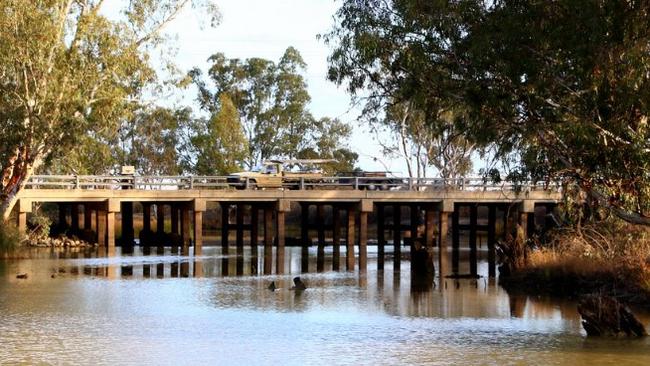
x: 291, y: 174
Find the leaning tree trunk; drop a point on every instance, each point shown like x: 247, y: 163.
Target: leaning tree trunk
x: 14, y: 179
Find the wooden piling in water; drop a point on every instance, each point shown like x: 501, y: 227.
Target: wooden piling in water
x: 74, y: 218
x: 455, y: 240
x: 268, y: 240
x: 320, y: 223
x: 381, y: 238
x: 349, y: 255
x: 442, y: 248
x: 365, y: 208
x: 304, y: 238
x: 491, y: 240
x: 336, y: 237
x: 280, y: 235
x: 254, y: 237
x: 473, y: 258
x: 397, y: 236
x: 225, y: 226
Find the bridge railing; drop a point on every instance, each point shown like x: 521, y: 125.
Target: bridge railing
x: 92, y: 182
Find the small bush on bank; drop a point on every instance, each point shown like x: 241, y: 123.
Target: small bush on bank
x: 609, y: 256
x: 10, y: 239
x: 39, y: 226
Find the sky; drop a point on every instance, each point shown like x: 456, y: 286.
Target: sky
x: 265, y: 28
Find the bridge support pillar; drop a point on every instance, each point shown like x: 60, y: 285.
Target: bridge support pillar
x: 146, y: 217
x: 88, y: 216
x: 185, y: 228
x: 305, y: 240
x: 429, y: 227
x: 225, y: 226
x: 113, y: 206
x: 283, y: 207
x: 63, y: 213
x: 365, y: 207
x: 160, y: 221
x: 320, y: 224
x: 455, y: 240
x: 336, y: 237
x: 381, y: 238
x: 491, y: 240
x: 239, y: 237
x: 74, y: 218
x: 473, y: 259
x: 101, y: 226
x: 174, y: 216
x: 199, y: 208
x: 443, y: 232
x: 268, y: 240
x: 255, y: 210
x: 128, y: 235
x: 397, y: 237
x: 24, y: 207
x: 349, y: 255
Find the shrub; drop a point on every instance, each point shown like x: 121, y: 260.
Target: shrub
x: 10, y: 238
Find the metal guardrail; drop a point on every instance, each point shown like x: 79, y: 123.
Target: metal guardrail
x: 93, y: 182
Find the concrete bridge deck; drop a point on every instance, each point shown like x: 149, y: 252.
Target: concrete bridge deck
x: 432, y: 203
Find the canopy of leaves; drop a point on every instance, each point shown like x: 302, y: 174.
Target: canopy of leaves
x: 562, y: 83
x: 216, y: 146
x: 68, y: 74
x: 272, y: 102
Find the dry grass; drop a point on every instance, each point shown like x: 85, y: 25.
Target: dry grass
x: 610, y: 257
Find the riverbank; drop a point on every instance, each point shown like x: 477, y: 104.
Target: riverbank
x: 611, y: 259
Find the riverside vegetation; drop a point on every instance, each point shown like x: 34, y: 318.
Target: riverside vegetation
x: 607, y: 257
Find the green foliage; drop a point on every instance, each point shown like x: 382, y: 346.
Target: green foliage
x: 217, y: 145
x: 272, y: 102
x: 39, y: 226
x: 565, y: 85
x: 10, y: 238
x: 70, y: 75
x: 152, y: 138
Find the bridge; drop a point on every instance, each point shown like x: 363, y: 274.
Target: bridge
x: 417, y: 210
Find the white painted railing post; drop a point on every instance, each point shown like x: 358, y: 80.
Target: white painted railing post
x: 76, y: 181
x: 302, y: 183
x: 191, y: 182
x: 356, y: 183
x: 410, y: 183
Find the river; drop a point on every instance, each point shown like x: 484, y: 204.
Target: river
x: 79, y: 307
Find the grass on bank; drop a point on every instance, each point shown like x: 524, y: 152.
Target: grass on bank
x: 609, y: 257
x: 10, y: 239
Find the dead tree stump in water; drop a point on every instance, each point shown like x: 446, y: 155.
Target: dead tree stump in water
x: 422, y: 268
x: 603, y: 316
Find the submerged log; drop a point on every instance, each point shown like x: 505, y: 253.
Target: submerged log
x: 604, y: 316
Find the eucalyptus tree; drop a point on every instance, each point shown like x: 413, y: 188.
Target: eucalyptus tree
x: 216, y: 145
x: 272, y: 100
x: 565, y: 84
x: 67, y: 71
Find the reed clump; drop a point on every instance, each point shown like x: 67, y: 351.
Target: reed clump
x: 10, y: 239
x: 608, y: 257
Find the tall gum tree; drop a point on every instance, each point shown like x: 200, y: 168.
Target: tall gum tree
x: 272, y: 100
x: 563, y: 84
x: 67, y: 69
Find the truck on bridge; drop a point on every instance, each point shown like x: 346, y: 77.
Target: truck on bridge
x: 308, y: 174
x: 291, y: 173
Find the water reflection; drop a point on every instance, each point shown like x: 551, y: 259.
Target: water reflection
x: 112, y: 297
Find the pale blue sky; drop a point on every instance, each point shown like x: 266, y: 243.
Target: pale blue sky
x: 265, y: 28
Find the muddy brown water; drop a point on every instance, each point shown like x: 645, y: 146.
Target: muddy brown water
x: 166, y: 309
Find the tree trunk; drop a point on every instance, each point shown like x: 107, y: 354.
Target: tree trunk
x: 9, y: 195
